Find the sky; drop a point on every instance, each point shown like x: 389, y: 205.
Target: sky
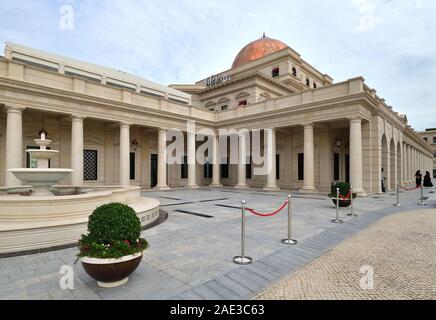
x: 391, y: 43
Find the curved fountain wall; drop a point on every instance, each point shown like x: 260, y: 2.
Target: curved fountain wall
x: 34, y: 223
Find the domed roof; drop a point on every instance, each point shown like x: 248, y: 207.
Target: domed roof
x: 258, y: 49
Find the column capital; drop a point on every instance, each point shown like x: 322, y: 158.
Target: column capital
x: 355, y: 120
x: 307, y: 124
x: 125, y: 124
x: 14, y: 109
x: 76, y: 117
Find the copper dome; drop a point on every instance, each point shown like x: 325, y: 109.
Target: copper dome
x: 258, y: 49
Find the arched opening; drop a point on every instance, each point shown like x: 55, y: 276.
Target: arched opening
x: 385, y: 161
x: 393, y: 165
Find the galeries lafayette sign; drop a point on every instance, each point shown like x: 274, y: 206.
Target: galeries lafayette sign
x: 215, y: 80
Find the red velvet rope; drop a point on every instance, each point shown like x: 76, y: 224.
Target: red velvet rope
x: 269, y: 214
x: 346, y: 198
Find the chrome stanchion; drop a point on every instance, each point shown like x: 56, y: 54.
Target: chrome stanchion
x: 289, y: 240
x: 422, y: 203
x: 398, y: 204
x: 242, y: 259
x: 337, y: 220
x: 352, y: 214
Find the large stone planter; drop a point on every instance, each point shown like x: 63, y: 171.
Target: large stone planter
x: 111, y: 273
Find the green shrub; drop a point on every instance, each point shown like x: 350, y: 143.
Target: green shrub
x: 112, y: 222
x: 344, y: 189
x: 114, y: 231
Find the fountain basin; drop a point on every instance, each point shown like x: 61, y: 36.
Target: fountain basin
x: 43, y: 154
x: 41, y: 179
x: 39, y: 223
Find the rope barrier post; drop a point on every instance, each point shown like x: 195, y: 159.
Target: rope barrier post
x: 422, y: 203
x: 289, y: 241
x: 352, y: 214
x: 242, y: 259
x: 337, y: 220
x: 398, y: 204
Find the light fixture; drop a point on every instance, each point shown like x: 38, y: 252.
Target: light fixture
x: 135, y: 144
x: 338, y: 143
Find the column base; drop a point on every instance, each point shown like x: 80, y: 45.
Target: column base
x: 362, y: 193
x: 271, y: 189
x: 219, y: 185
x: 242, y: 187
x: 163, y: 188
x: 193, y: 186
x: 309, y: 190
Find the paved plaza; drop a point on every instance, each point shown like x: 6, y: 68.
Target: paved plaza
x: 190, y: 254
x: 400, y: 249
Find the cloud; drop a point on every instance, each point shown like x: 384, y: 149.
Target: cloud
x: 369, y: 19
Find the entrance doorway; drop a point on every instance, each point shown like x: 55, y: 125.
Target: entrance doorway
x: 347, y: 168
x: 153, y: 174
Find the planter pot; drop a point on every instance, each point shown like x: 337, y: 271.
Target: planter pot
x: 111, y: 273
x: 343, y: 203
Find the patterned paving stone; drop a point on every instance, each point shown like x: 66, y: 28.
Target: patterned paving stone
x: 400, y: 249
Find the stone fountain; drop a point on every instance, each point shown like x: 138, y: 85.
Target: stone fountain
x: 41, y: 178
x: 45, y: 221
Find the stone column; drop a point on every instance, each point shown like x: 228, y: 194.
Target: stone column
x: 271, y: 160
x: 77, y: 150
x: 216, y: 162
x: 409, y: 164
x: 356, y: 162
x: 14, y: 144
x: 124, y: 154
x: 192, y: 180
x: 162, y: 161
x: 242, y: 161
x: 309, y: 159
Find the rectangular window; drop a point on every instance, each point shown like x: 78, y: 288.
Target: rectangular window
x: 248, y: 169
x: 242, y: 103
x: 132, y: 166
x: 208, y: 170
x: 301, y: 166
x: 90, y: 169
x: 434, y: 139
x: 275, y: 72
x: 314, y: 85
x: 184, y: 168
x: 278, y: 167
x: 434, y: 174
x: 294, y: 71
x: 336, y: 166
x: 225, y: 170
x: 223, y: 108
x: 347, y: 168
x: 307, y: 82
x: 425, y: 139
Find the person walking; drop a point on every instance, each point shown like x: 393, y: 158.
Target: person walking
x: 418, y: 177
x: 427, y: 180
x: 383, y: 180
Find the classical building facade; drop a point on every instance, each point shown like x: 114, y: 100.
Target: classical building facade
x: 429, y: 136
x: 111, y: 127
